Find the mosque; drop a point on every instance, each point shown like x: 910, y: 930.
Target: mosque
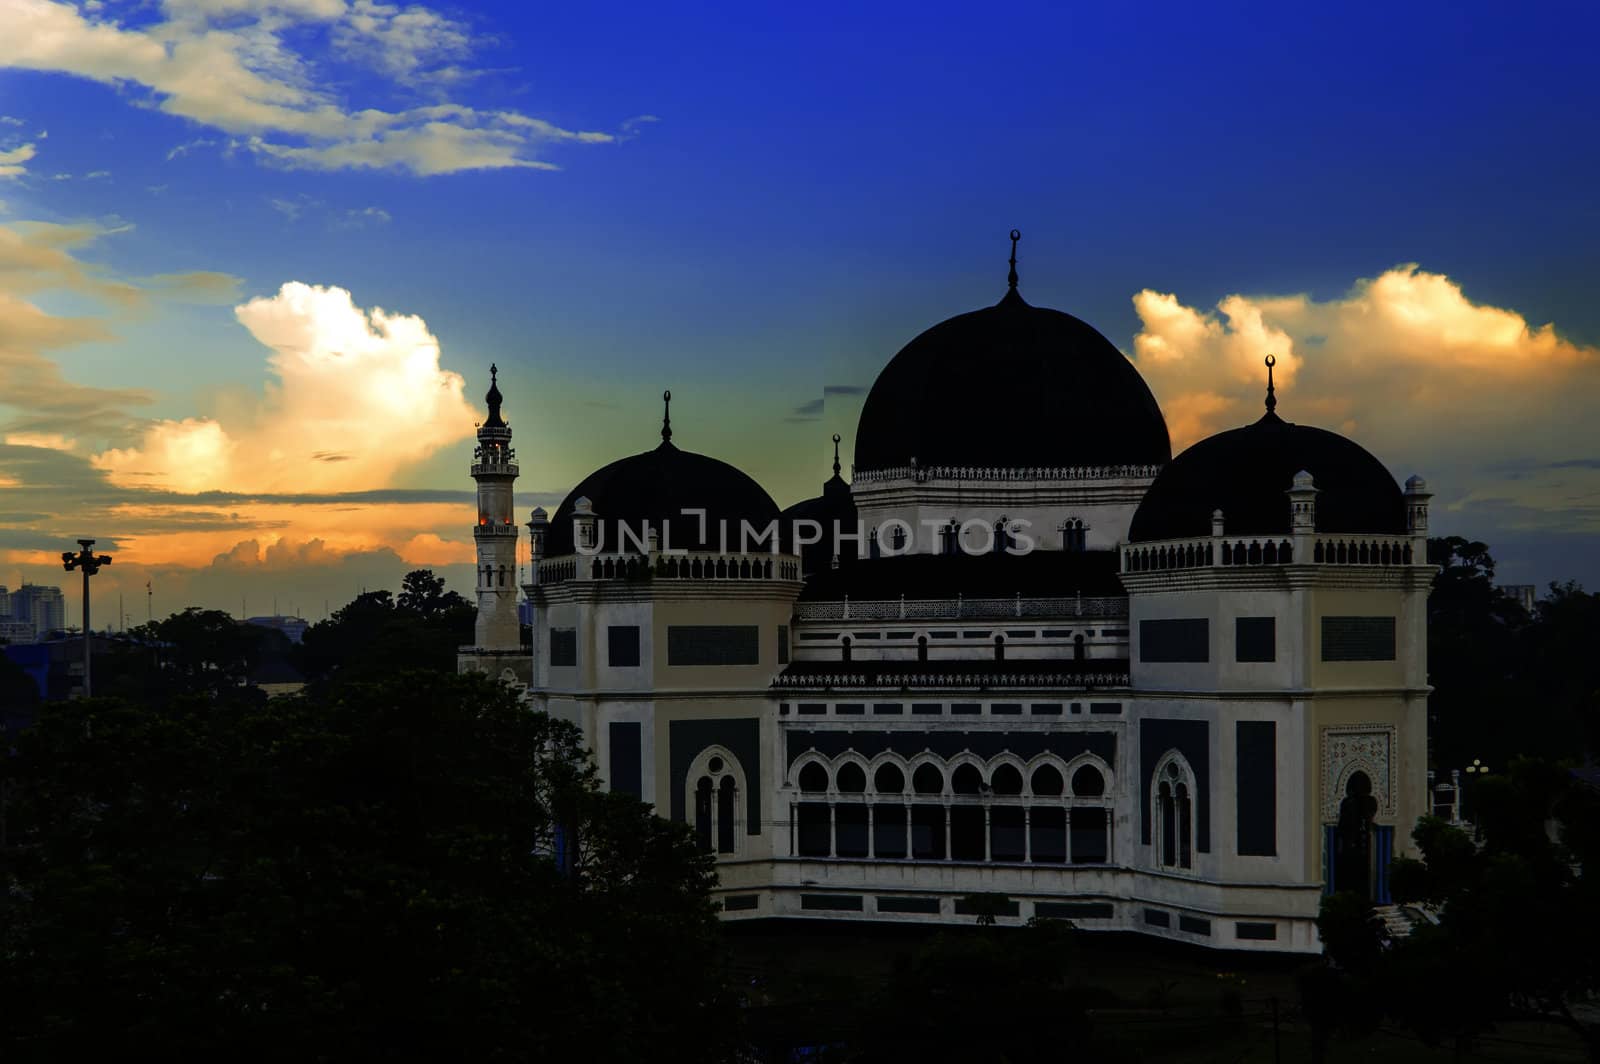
x: 1039, y: 667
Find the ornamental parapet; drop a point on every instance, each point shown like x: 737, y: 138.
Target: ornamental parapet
x: 687, y: 565
x: 1235, y: 551
x: 959, y: 608
x: 815, y: 681
x: 1034, y: 474
x: 491, y: 469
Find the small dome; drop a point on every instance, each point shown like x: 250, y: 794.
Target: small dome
x: 651, y: 491
x: 1013, y: 386
x: 834, y: 508
x: 1247, y: 472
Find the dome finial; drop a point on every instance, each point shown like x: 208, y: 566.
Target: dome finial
x: 666, y: 416
x: 493, y: 398
x: 835, y: 454
x: 1011, y: 278
x: 1272, y: 400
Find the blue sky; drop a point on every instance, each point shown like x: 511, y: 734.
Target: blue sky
x: 755, y: 204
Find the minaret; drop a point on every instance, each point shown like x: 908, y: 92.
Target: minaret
x: 495, y: 469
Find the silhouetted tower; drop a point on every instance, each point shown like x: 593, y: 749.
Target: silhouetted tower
x: 495, y: 469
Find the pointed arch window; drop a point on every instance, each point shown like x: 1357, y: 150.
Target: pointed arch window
x: 717, y: 786
x: 1174, y: 813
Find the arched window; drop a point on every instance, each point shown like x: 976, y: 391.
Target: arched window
x: 1047, y: 816
x: 1174, y: 812
x: 727, y: 794
x: 1078, y: 650
x: 927, y: 818
x: 922, y: 648
x: 897, y: 537
x: 813, y: 820
x: 702, y: 813
x: 890, y: 826
x: 844, y: 649
x: 1006, y: 780
x: 889, y: 780
x: 1088, y: 782
x: 814, y: 779
x: 1002, y: 536
x: 966, y: 779
x: 1074, y: 535
x: 999, y: 648
x: 718, y: 788
x: 873, y: 548
x: 850, y: 779
x: 1047, y: 782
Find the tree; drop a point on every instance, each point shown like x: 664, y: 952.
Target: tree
x: 376, y: 635
x: 1516, y: 932
x: 1475, y: 652
x: 423, y: 593
x: 364, y: 874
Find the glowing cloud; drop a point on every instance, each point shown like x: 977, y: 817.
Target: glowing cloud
x: 1405, y: 363
x: 355, y: 398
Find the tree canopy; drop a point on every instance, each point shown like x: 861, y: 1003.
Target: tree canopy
x: 368, y: 873
x: 1516, y: 934
x: 1507, y: 682
x: 377, y: 634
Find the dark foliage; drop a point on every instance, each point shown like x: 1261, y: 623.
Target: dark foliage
x: 363, y: 875
x: 1505, y: 682
x: 377, y: 634
x: 1516, y: 933
x: 978, y: 997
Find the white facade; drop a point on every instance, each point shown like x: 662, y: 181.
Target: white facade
x: 1188, y: 738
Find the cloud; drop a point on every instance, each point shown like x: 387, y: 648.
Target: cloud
x: 12, y: 161
x: 807, y: 411
x: 360, y: 218
x: 364, y: 385
x: 258, y: 70
x: 195, y: 286
x: 180, y: 150
x: 843, y: 389
x: 1489, y: 407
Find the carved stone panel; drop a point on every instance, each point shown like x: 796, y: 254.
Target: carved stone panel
x: 1351, y: 748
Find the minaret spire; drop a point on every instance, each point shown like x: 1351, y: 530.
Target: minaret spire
x: 494, y: 467
x: 494, y: 399
x: 1272, y: 400
x: 1011, y: 278
x: 835, y: 454
x: 666, y: 416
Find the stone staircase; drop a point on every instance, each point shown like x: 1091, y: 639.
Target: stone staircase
x: 1398, y: 920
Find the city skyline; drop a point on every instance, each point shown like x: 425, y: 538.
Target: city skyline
x: 204, y: 204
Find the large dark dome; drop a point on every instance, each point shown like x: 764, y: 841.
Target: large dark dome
x: 1014, y: 386
x: 653, y: 489
x: 1246, y: 472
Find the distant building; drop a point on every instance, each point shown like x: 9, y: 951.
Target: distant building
x: 41, y: 606
x: 1526, y: 595
x: 292, y: 627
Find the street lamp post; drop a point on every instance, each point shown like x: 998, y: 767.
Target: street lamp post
x: 90, y: 562
x: 1475, y: 771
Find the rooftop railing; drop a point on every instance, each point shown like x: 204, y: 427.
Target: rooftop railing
x: 960, y: 608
